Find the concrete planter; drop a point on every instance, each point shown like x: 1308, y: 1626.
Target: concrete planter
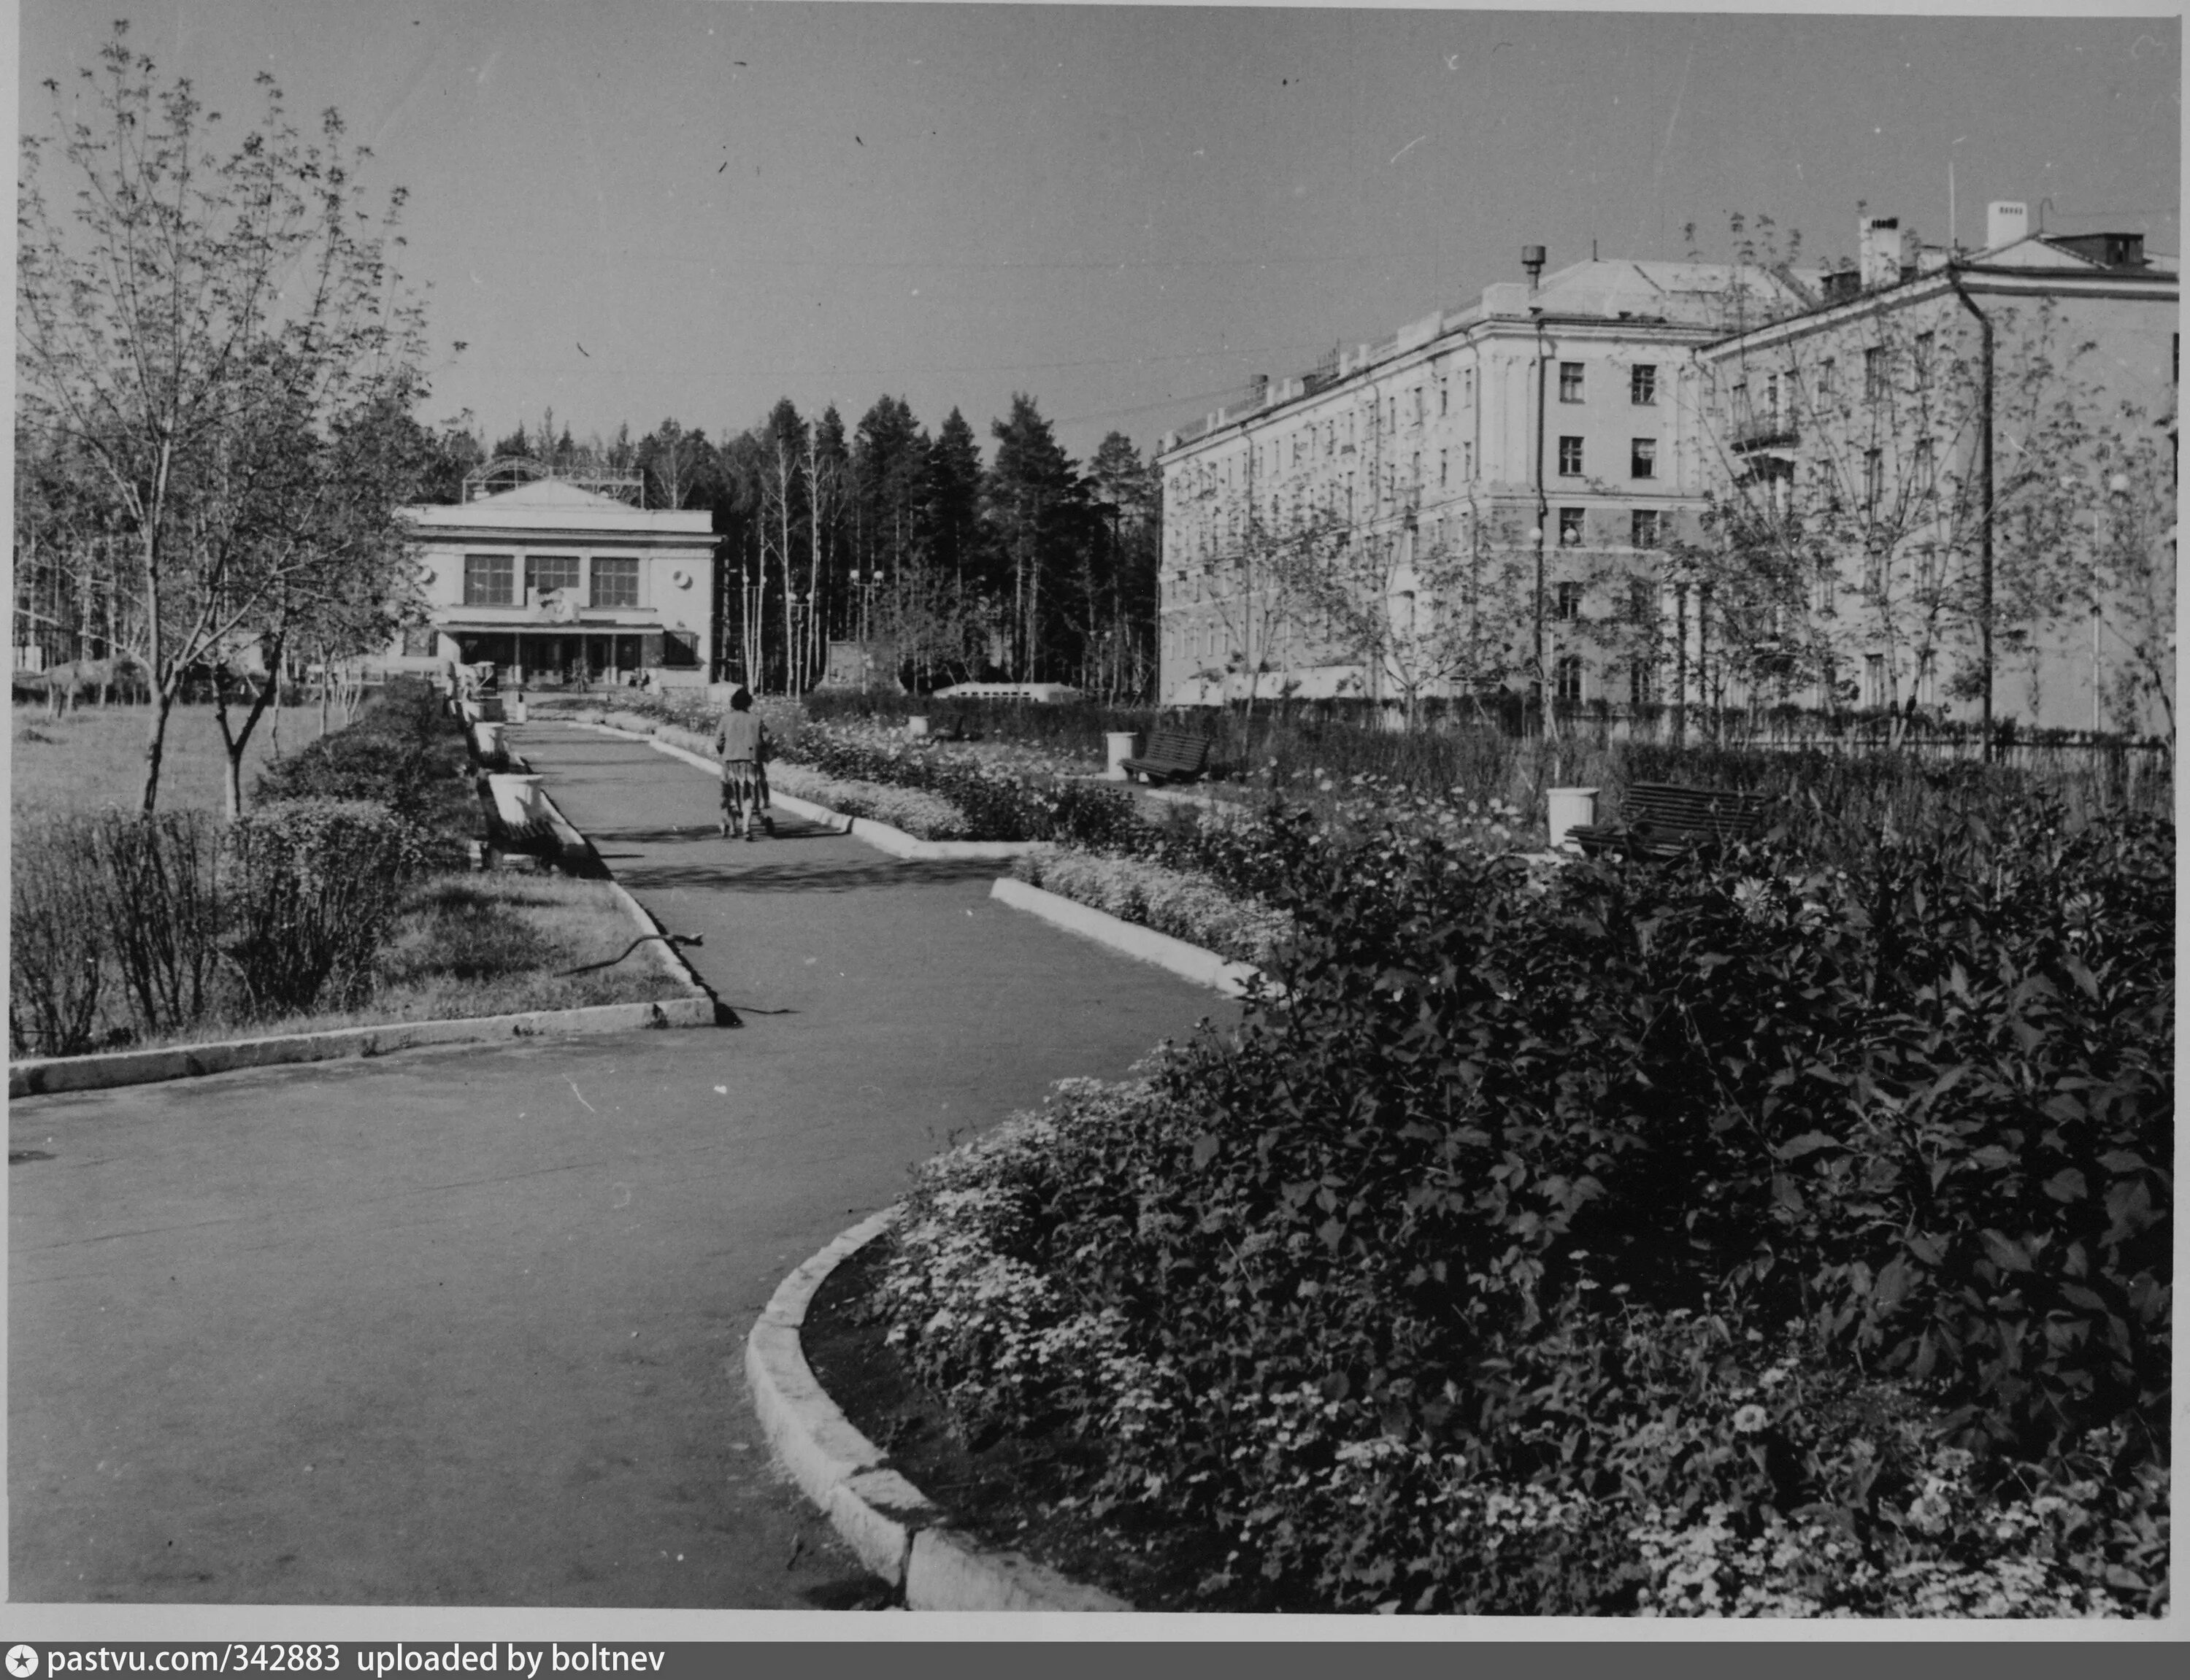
x: 916, y: 726
x: 488, y: 739
x: 1570, y: 808
x: 482, y: 708
x: 518, y: 801
x: 1119, y: 747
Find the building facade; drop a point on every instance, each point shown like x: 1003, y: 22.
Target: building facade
x: 557, y: 584
x: 1481, y: 486
x: 1953, y: 477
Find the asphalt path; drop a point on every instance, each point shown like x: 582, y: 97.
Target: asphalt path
x: 465, y: 1326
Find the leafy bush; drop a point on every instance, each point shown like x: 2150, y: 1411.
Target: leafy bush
x: 404, y: 752
x: 1187, y: 906
x: 1503, y: 1201
x: 314, y: 886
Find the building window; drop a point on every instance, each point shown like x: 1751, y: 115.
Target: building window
x: 1643, y: 527
x: 488, y: 579
x: 1467, y: 385
x: 1922, y: 359
x: 1641, y: 600
x: 1642, y: 385
x: 616, y: 583
x: 1569, y: 381
x: 1570, y: 528
x: 1873, y: 680
x: 1569, y: 676
x: 1638, y: 682
x: 1444, y: 396
x: 1642, y: 458
x: 1571, y: 457
x: 1874, y: 374
x: 1569, y: 602
x: 544, y: 572
x: 1828, y: 372
x: 1442, y: 464
x: 1874, y: 480
x: 1468, y: 463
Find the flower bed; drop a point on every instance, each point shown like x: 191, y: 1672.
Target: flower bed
x: 1727, y: 1236
x: 1185, y: 906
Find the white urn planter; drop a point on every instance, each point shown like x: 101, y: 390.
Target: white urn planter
x: 518, y: 800
x: 1570, y: 808
x: 1119, y: 746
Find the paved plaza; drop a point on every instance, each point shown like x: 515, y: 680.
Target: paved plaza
x: 463, y: 1326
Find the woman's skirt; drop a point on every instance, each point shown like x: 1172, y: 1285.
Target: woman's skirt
x: 745, y: 784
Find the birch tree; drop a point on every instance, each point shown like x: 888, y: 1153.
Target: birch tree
x: 184, y: 306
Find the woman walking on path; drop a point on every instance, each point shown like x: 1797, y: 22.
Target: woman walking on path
x: 745, y: 747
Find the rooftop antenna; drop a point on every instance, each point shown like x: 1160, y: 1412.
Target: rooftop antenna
x: 1592, y: 251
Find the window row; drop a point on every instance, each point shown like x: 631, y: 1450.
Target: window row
x: 1642, y: 383
x: 1641, y: 458
x: 490, y: 579
x: 1645, y: 527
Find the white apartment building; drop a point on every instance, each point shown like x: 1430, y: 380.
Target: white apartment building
x: 1856, y: 434
x: 1549, y: 434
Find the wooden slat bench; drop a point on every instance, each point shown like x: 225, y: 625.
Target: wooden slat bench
x: 1174, y: 755
x: 1659, y: 819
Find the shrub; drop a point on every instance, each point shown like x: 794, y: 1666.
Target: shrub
x: 1517, y: 1191
x: 1187, y: 906
x: 923, y: 816
x: 161, y: 908
x: 314, y: 884
x: 57, y: 951
x: 404, y: 752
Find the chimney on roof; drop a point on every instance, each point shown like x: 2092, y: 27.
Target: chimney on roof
x: 1883, y: 249
x: 1532, y: 259
x: 1258, y: 389
x: 2006, y: 221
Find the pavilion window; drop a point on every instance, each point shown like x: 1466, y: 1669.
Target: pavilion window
x: 616, y: 583
x: 488, y: 580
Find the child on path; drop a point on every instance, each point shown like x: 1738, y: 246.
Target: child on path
x: 743, y: 744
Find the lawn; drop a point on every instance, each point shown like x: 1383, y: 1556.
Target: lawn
x: 93, y: 758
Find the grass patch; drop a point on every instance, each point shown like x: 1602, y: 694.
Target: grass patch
x: 469, y: 946
x: 89, y: 760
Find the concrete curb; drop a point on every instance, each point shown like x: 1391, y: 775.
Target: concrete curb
x: 896, y: 1532
x: 880, y: 835
x: 1188, y: 962
x: 48, y: 1074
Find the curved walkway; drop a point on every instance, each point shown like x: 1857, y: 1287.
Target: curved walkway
x: 462, y: 1326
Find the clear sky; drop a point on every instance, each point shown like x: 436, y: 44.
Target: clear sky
x: 671, y: 207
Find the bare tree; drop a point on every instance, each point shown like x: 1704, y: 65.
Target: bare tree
x: 1867, y: 524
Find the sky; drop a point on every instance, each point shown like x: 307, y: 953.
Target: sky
x: 663, y: 208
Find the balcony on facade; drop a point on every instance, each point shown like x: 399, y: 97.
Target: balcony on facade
x: 1756, y: 431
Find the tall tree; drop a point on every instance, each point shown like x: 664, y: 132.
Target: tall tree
x: 1127, y: 532
x: 676, y: 463
x: 782, y: 438
x: 186, y: 308
x: 954, y: 502
x: 1033, y: 500
x: 827, y: 470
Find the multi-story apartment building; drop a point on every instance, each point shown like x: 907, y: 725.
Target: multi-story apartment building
x: 1481, y: 485
x: 1950, y: 485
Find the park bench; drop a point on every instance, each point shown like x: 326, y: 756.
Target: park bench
x: 1659, y: 819
x: 1175, y: 755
